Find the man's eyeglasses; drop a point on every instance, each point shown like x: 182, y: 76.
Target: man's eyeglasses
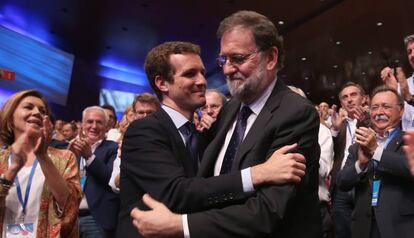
x: 386, y: 107
x: 234, y: 59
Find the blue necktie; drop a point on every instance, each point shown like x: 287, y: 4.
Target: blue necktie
x: 236, y: 139
x: 189, y: 132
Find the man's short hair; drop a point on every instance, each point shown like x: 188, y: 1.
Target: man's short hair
x: 264, y: 31
x: 385, y: 88
x: 109, y: 107
x: 349, y: 84
x: 408, y: 39
x: 221, y: 95
x: 146, y: 98
x: 100, y: 109
x: 157, y: 62
x: 73, y: 126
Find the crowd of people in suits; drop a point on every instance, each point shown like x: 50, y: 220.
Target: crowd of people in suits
x: 189, y: 162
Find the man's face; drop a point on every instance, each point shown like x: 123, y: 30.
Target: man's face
x: 187, y: 89
x: 410, y: 53
x: 94, y: 126
x: 68, y: 133
x: 58, y: 125
x: 351, y: 98
x: 247, y: 78
x: 324, y: 108
x: 386, y: 113
x: 143, y: 109
x: 111, y: 118
x: 213, y: 104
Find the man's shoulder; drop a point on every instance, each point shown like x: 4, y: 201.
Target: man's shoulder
x: 109, y: 144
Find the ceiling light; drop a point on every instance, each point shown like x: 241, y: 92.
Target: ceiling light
x: 280, y: 22
x: 338, y: 42
x: 303, y: 58
x: 370, y: 52
x: 379, y: 23
x: 335, y: 66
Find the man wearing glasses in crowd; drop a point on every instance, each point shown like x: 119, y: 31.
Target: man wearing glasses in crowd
x: 377, y: 169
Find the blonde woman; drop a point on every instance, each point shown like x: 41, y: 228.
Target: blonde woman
x: 39, y: 185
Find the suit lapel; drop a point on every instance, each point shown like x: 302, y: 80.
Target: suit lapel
x: 259, y: 125
x: 226, y: 118
x: 182, y: 155
x: 396, y: 142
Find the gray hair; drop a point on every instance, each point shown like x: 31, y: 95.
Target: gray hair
x: 408, y: 39
x: 96, y: 108
x: 221, y: 95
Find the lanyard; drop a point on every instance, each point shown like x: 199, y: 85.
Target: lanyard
x: 387, y: 142
x: 350, y: 133
x: 391, y: 137
x: 28, y: 186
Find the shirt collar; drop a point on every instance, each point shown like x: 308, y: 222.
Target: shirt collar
x: 178, y: 119
x: 96, y: 145
x: 258, y: 104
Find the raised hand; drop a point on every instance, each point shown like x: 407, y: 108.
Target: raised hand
x: 206, y: 122
x: 367, y: 140
x: 387, y: 76
x: 402, y: 80
x: 409, y: 149
x: 337, y: 119
x: 43, y: 138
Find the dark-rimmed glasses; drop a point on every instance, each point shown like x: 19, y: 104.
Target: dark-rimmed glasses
x: 234, y: 59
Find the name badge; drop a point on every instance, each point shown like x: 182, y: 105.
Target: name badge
x: 375, y: 192
x: 20, y: 230
x: 82, y: 181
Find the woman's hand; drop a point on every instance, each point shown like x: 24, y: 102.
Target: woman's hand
x: 43, y: 138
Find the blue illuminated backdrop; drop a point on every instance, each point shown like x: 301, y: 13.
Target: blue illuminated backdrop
x: 37, y: 66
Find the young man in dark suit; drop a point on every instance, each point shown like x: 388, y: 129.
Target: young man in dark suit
x: 271, y: 116
x: 157, y: 153
x: 377, y: 169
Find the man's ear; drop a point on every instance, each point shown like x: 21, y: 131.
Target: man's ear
x: 272, y: 58
x: 161, y: 84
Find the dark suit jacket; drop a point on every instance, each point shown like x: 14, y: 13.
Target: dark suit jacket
x: 102, y: 201
x: 339, y: 151
x: 275, y: 211
x: 154, y: 161
x: 394, y: 213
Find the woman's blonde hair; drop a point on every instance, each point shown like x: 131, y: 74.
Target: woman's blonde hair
x: 7, y: 111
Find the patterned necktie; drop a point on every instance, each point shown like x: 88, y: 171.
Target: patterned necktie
x: 190, y: 136
x: 236, y: 139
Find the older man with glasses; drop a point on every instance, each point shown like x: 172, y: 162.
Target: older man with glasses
x: 376, y: 167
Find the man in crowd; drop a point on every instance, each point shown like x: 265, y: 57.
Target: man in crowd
x: 69, y: 131
x: 214, y: 102
x: 377, y: 169
x: 259, y: 120
x: 98, y: 211
x: 144, y: 104
x: 325, y: 166
x: 110, y: 110
x: 395, y: 78
x: 324, y: 114
x: 352, y: 97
